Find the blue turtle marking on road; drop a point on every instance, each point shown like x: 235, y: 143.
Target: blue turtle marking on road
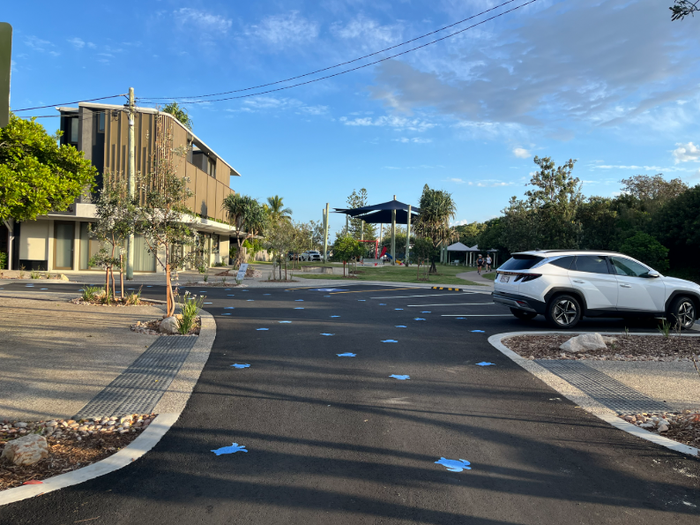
x: 30, y: 286
x: 425, y: 312
x: 285, y: 322
x: 400, y: 377
x: 267, y: 294
x: 328, y: 335
x: 398, y: 309
x: 229, y: 308
x: 249, y: 300
x: 485, y: 363
x: 454, y: 465
x: 460, y: 317
x: 236, y: 365
x: 389, y: 341
x: 299, y: 308
x: 149, y: 286
x: 230, y: 295
x: 361, y: 300
x: 419, y: 319
x: 478, y: 331
x: 235, y: 447
x: 207, y: 303
x: 400, y: 326
x: 328, y: 290
x: 326, y: 296
x: 382, y: 304
x: 226, y: 313
x: 346, y: 354
x: 43, y: 288
x: 298, y: 300
x: 259, y: 329
x: 227, y: 289
x: 335, y: 316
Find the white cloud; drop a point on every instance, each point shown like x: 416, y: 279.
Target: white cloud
x: 656, y: 169
x: 686, y: 152
x: 78, y: 43
x: 368, y: 33
x: 455, y: 180
x: 521, y: 153
x: 202, y: 21
x: 556, y: 66
x: 390, y: 121
x: 40, y: 45
x: 262, y: 103
x: 414, y: 140
x: 283, y: 30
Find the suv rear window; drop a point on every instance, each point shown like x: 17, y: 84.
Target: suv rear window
x: 520, y: 262
x: 563, y: 262
x: 591, y: 264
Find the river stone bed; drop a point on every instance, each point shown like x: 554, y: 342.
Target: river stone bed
x: 683, y: 427
x: 73, y: 444
x: 623, y: 348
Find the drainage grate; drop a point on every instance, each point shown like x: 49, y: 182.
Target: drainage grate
x: 138, y: 389
x: 603, y: 388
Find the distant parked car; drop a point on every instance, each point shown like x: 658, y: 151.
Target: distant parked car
x: 293, y: 256
x: 311, y: 255
x: 566, y: 285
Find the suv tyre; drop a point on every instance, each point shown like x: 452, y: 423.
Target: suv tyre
x: 682, y: 312
x: 522, y: 314
x: 563, y: 311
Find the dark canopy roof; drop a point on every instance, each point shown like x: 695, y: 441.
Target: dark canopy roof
x: 381, y: 213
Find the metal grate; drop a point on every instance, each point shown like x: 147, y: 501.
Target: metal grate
x: 603, y: 388
x: 138, y: 389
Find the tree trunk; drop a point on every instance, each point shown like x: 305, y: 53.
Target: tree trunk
x: 286, y: 276
x: 114, y: 284
x: 418, y: 274
x: 170, y: 304
x: 280, y: 268
x: 121, y: 273
x: 107, y: 281
x: 343, y: 268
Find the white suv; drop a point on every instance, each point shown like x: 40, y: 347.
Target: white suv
x: 567, y: 285
x: 311, y: 255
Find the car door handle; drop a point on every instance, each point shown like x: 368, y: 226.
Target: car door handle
x: 626, y: 286
x: 578, y: 282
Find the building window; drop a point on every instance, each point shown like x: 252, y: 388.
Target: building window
x: 101, y: 122
x: 74, y: 130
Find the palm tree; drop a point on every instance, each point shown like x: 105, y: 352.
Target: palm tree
x: 436, y: 210
x: 275, y: 208
x: 247, y: 215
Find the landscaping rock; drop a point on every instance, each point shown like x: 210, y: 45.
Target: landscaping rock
x: 584, y: 343
x: 26, y: 450
x: 169, y: 325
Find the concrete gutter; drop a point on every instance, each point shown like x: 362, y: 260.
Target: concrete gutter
x: 580, y: 398
x: 168, y: 409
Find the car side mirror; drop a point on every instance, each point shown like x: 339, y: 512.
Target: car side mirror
x: 653, y: 274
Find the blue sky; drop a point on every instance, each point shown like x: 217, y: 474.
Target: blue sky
x: 611, y: 83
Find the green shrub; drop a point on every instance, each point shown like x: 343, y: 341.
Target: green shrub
x: 35, y: 275
x: 89, y: 293
x: 134, y: 297
x: 3, y: 261
x: 190, y: 307
x: 647, y: 249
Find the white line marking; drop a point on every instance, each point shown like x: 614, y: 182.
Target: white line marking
x: 427, y: 295
x: 476, y: 315
x: 446, y: 304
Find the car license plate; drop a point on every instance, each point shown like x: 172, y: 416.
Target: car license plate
x: 505, y: 278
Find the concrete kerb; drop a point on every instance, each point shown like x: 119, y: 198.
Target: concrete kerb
x: 168, y: 409
x: 580, y: 398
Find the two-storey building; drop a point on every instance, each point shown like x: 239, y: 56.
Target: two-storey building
x: 61, y: 240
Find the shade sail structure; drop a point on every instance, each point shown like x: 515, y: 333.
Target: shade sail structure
x: 458, y: 247
x: 381, y: 213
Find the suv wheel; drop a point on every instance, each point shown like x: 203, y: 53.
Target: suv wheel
x: 682, y: 313
x: 563, y: 311
x: 522, y: 314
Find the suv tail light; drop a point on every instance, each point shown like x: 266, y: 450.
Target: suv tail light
x: 525, y: 277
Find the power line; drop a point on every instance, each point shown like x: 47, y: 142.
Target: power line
x: 66, y: 103
x: 336, y: 65
x: 187, y: 101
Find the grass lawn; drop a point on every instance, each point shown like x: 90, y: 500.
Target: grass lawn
x: 491, y: 275
x: 398, y: 274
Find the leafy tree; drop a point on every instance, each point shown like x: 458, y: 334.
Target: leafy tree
x: 115, y: 216
x: 598, y: 219
x: 161, y: 216
x: 36, y: 175
x: 547, y: 217
x: 647, y: 249
x: 280, y: 237
x: 652, y: 192
x: 276, y: 209
x: 179, y: 113
x: 677, y: 226
x: 469, y: 233
x: 358, y: 200
x: 248, y: 217
x: 346, y: 249
x: 682, y: 8
x: 437, y: 209
x: 493, y: 235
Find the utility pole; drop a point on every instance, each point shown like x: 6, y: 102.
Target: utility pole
x: 132, y: 185
x: 393, y: 236
x: 408, y: 232
x: 325, y: 233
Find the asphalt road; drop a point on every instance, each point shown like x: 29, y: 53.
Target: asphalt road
x: 337, y: 440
